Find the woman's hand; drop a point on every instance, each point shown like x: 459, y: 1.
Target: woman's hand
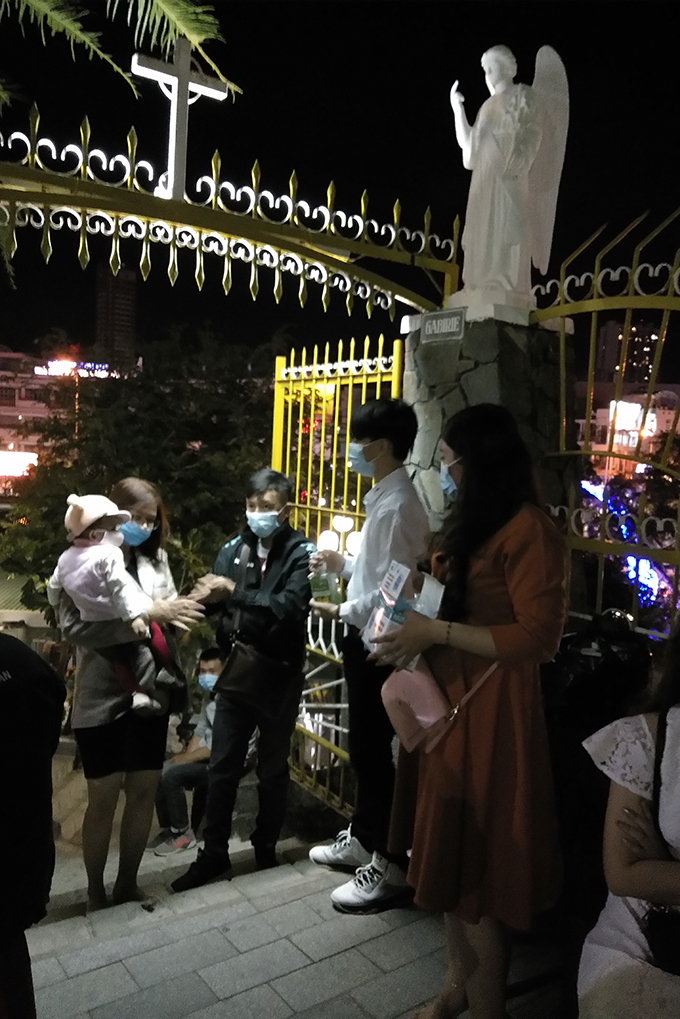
x: 211, y: 588
x: 182, y: 612
x: 406, y: 643
x: 324, y: 609
x: 639, y: 835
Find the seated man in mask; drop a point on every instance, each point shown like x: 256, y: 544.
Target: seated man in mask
x: 188, y: 769
x: 261, y: 578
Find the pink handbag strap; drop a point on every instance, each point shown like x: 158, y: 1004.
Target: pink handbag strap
x: 472, y: 691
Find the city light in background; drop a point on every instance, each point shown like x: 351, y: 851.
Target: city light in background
x: 15, y: 463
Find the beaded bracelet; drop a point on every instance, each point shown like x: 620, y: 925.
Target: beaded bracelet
x: 448, y: 633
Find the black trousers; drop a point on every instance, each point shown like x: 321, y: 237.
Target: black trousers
x: 232, y: 728
x: 370, y: 744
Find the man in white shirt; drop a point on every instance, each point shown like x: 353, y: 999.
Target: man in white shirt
x: 383, y: 431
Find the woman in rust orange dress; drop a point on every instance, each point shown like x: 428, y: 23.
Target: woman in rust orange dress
x: 481, y: 825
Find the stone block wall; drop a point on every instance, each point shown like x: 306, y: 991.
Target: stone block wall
x: 495, y: 362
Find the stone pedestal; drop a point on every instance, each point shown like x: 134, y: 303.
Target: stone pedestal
x: 495, y: 362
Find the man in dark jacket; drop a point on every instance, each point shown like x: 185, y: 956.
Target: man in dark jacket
x: 261, y: 578
x: 31, y: 701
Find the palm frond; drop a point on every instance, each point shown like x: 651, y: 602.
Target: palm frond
x: 162, y: 21
x: 6, y: 93
x: 61, y: 17
x: 5, y: 260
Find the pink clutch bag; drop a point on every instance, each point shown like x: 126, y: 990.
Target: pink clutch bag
x: 417, y: 708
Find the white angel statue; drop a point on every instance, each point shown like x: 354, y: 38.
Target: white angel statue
x: 515, y: 150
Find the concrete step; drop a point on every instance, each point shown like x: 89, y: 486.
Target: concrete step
x: 68, y: 927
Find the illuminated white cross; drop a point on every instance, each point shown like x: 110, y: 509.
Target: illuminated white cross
x: 182, y: 86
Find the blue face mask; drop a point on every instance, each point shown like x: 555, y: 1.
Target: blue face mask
x: 135, y: 534
x: 206, y: 680
x: 357, y: 460
x: 449, y: 486
x: 262, y: 524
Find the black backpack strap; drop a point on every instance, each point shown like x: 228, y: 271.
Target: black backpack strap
x: 658, y: 757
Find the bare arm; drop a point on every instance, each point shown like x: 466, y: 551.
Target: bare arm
x: 463, y: 129
x: 657, y: 881
x: 419, y: 633
x: 194, y: 752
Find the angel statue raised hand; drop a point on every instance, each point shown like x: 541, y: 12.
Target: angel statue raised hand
x: 515, y: 150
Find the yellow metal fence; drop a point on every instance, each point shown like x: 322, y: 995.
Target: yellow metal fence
x: 314, y: 398
x: 622, y: 513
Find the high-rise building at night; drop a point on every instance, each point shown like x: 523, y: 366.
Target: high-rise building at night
x: 607, y: 357
x: 115, y: 330
x: 641, y: 348
x: 642, y: 342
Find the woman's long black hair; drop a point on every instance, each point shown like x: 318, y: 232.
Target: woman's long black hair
x: 667, y: 693
x: 497, y: 480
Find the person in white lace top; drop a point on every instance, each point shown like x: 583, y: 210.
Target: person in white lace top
x: 617, y: 976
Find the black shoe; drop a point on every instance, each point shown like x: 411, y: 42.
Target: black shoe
x: 265, y: 856
x: 205, y: 868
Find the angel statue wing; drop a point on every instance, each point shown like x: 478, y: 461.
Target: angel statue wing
x: 551, y: 90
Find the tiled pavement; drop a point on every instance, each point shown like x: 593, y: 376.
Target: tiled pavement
x: 265, y: 945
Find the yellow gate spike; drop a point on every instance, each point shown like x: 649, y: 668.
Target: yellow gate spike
x: 83, y: 246
x: 216, y: 167
x: 132, y: 156
x: 46, y: 242
x: 325, y: 296
x: 330, y: 199
x: 302, y: 290
x: 85, y: 132
x: 427, y: 219
x: 173, y: 271
x: 33, y: 124
x: 200, y: 271
x: 145, y: 260
x: 278, y: 285
x: 364, y: 212
x: 114, y: 257
x: 226, y: 274
x: 254, y: 280
x: 255, y: 175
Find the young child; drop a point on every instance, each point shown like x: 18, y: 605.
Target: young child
x: 92, y: 573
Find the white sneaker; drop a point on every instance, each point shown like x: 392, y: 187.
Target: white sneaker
x: 346, y: 852
x: 377, y: 886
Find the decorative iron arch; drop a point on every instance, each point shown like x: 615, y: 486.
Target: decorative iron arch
x: 80, y: 189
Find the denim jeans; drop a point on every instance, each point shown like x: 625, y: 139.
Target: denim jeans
x: 233, y: 726
x: 171, y: 800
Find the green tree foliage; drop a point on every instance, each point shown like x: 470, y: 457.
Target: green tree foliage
x: 156, y: 22
x: 194, y: 419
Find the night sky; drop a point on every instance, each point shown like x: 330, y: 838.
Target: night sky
x: 356, y: 92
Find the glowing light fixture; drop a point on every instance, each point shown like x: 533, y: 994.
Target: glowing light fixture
x: 595, y: 490
x: 629, y: 417
x: 353, y: 542
x: 342, y: 524
x: 328, y: 540
x: 14, y: 463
